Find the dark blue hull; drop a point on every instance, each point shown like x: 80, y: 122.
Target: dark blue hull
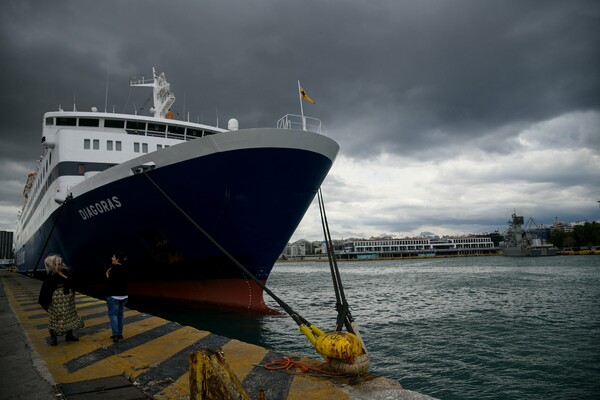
x: 250, y: 201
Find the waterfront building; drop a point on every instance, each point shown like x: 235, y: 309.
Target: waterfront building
x: 394, y: 248
x: 420, y: 246
x: 562, y: 226
x: 6, y: 247
x: 297, y: 249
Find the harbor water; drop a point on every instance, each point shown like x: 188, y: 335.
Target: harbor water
x: 452, y: 328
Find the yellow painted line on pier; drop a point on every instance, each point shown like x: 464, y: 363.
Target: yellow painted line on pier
x: 104, y: 364
x: 154, y: 353
x: 243, y: 356
x: 240, y: 356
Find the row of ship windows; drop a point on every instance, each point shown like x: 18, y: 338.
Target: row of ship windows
x: 405, y: 242
x: 94, y: 144
x: 133, y: 127
x: 40, y: 175
x: 393, y: 242
x: 360, y: 249
x: 476, y: 240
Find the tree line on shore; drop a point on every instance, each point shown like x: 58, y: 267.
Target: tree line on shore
x: 585, y: 235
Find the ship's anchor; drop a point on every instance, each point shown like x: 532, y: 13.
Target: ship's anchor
x: 345, y: 352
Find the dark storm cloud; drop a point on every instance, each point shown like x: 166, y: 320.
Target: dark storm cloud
x: 425, y: 80
x: 414, y: 72
x: 456, y: 70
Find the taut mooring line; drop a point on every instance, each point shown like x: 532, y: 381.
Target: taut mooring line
x: 331, y: 346
x: 342, y: 306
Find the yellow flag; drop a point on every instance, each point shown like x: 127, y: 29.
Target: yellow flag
x: 305, y: 96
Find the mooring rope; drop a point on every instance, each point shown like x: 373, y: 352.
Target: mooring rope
x: 295, y: 367
x: 358, y: 366
x: 345, y: 364
x: 343, y: 308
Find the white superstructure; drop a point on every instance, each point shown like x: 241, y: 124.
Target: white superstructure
x: 86, y: 143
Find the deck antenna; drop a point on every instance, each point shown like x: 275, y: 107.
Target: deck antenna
x: 188, y: 116
x: 217, y: 112
x: 184, y: 93
x: 74, y: 107
x: 106, y: 93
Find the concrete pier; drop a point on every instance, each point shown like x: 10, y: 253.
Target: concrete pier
x: 151, y: 362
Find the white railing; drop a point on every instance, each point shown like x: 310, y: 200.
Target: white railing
x: 292, y: 121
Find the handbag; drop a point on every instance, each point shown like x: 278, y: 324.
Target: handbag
x: 45, y: 297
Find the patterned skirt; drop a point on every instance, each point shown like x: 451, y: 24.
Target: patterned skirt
x: 62, y: 313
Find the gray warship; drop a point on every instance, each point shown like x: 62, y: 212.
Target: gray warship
x: 523, y: 242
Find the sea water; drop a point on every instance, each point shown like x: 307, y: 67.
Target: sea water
x: 452, y: 328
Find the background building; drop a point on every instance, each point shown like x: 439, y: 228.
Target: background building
x: 6, y: 247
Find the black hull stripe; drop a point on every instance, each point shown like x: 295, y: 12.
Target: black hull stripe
x: 177, y: 365
x: 120, y: 347
x: 104, y: 326
x: 275, y: 384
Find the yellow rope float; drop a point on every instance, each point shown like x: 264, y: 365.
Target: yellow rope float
x: 338, y: 345
x: 342, y: 350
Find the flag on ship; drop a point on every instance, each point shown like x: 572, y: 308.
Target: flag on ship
x: 305, y: 96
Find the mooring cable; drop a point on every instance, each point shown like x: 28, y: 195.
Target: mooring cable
x: 344, y: 351
x: 341, y: 303
x: 343, y: 309
x: 344, y: 313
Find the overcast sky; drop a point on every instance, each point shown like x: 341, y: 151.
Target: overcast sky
x: 450, y: 115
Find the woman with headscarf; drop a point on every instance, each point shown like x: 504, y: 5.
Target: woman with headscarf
x: 57, y: 296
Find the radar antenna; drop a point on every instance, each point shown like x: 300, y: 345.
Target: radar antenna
x: 162, y: 96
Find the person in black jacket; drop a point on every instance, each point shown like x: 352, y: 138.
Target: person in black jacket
x: 117, y: 294
x: 57, y: 296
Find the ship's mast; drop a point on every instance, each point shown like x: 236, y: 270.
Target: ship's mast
x: 162, y: 96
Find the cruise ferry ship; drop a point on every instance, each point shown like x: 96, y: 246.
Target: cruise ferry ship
x: 185, y: 202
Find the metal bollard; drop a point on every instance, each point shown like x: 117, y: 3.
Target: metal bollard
x: 212, y: 379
